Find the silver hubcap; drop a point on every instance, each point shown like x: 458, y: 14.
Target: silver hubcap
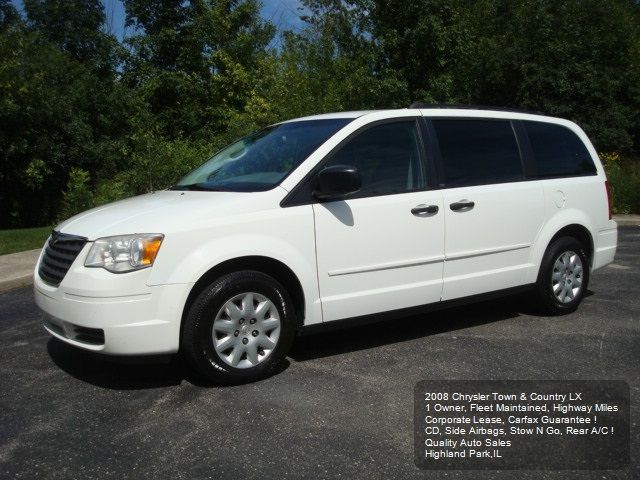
x: 246, y: 330
x: 566, y: 278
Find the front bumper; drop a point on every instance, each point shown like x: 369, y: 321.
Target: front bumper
x: 110, y: 313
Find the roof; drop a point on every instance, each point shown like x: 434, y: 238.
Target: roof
x: 440, y: 106
x: 330, y: 116
x: 437, y: 110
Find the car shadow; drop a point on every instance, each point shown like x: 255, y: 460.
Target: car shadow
x: 385, y: 332
x: 128, y: 373
x: 138, y: 373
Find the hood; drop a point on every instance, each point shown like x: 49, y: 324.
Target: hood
x: 166, y: 211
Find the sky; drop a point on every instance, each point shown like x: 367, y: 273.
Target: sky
x: 284, y: 14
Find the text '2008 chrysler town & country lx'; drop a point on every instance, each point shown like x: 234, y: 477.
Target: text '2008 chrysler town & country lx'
x: 331, y: 217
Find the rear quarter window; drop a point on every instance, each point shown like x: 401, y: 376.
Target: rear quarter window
x: 557, y: 151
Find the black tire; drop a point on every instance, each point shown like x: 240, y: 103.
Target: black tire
x: 197, y: 335
x: 545, y: 299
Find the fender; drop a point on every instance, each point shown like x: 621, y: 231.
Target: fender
x: 562, y: 218
x: 209, y: 254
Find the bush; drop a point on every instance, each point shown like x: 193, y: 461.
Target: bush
x: 624, y: 179
x: 78, y: 196
x: 154, y: 164
x: 112, y: 189
x: 157, y: 163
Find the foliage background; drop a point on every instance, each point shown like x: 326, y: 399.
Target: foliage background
x: 86, y: 118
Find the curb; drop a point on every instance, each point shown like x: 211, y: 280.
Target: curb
x: 16, y: 269
x: 13, y: 283
x: 627, y: 220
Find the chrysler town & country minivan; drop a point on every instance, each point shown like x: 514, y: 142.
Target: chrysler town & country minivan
x: 326, y: 218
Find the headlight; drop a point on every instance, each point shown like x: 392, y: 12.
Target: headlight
x: 124, y: 253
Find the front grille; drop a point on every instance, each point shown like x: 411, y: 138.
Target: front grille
x: 59, y: 254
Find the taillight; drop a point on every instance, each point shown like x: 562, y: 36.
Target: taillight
x: 609, y: 198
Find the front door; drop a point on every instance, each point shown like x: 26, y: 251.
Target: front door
x: 381, y: 248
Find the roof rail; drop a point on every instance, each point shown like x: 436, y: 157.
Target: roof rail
x: 471, y: 107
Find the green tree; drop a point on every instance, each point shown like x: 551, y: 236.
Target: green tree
x: 57, y: 112
x: 193, y: 63
x: 195, y: 74
x: 8, y: 15
x: 577, y: 58
x: 76, y: 27
x: 78, y: 196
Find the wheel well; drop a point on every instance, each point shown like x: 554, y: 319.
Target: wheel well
x: 266, y: 265
x: 581, y: 234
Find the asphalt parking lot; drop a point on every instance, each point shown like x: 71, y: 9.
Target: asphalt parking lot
x: 340, y: 408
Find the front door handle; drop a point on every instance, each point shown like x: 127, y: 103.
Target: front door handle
x: 462, y: 206
x: 424, y: 210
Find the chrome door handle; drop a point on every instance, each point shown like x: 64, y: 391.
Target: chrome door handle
x: 424, y: 210
x: 462, y: 206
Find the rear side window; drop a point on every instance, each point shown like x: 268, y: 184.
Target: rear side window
x: 557, y: 151
x: 388, y: 157
x: 477, y: 152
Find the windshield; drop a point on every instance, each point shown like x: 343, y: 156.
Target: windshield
x: 260, y: 161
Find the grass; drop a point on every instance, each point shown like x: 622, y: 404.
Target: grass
x: 22, y: 239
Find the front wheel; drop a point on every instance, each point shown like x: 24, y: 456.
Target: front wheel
x: 239, y: 328
x: 563, y: 277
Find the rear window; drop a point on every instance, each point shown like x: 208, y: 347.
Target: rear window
x: 478, y: 152
x: 557, y: 151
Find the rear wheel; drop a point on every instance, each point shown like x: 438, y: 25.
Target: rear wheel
x: 563, y: 277
x: 239, y: 328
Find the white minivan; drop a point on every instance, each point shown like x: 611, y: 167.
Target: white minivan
x: 327, y: 218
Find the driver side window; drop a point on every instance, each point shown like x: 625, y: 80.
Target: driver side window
x: 388, y: 156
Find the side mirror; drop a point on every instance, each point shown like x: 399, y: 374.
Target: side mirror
x: 336, y: 181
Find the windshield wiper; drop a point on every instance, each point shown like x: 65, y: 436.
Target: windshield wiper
x: 203, y: 187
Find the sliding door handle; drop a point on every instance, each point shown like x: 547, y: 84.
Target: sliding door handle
x: 424, y: 210
x: 462, y: 206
